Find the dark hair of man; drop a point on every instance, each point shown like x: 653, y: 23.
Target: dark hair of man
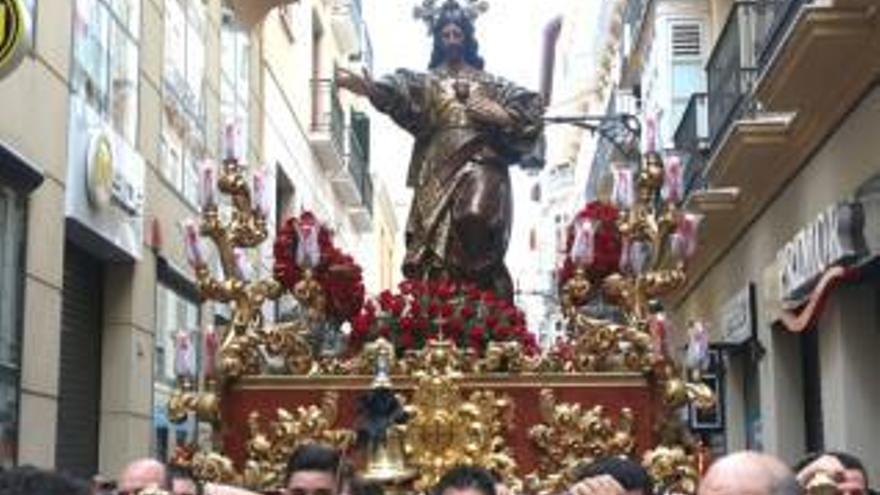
x: 464, y: 477
x: 630, y: 474
x: 471, y: 47
x: 28, y: 480
x: 848, y: 461
x: 313, y: 457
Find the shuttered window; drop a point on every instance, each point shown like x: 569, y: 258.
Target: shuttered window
x: 687, y: 71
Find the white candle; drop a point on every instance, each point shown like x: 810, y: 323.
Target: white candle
x: 207, y: 184
x: 242, y: 265
x: 623, y: 191
x: 673, y: 180
x: 583, y: 247
x: 259, y: 193
x: 193, y: 244
x: 184, y: 355
x: 650, y: 134
x: 231, y: 141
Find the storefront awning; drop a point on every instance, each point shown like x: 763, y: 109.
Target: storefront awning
x: 17, y: 171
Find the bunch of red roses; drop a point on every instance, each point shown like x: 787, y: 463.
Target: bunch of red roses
x: 305, y: 244
x: 424, y: 311
x: 605, y: 243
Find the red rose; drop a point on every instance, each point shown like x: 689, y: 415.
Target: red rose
x: 467, y: 311
x: 454, y: 327
x: 361, y: 324
x: 384, y: 330
x: 407, y: 324
x: 446, y: 310
x: 491, y: 321
x: 407, y: 340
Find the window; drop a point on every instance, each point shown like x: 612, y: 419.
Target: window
x: 183, y: 120
x: 235, y: 78
x: 174, y: 312
x: 12, y: 211
x: 105, y: 60
x: 688, y: 76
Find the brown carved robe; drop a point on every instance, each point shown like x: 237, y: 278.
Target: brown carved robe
x: 460, y: 219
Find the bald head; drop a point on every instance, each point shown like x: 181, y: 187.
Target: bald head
x: 749, y: 473
x: 140, y: 474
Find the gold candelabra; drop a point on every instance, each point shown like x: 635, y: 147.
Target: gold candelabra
x: 656, y: 238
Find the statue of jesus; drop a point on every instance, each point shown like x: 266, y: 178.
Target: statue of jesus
x: 469, y: 127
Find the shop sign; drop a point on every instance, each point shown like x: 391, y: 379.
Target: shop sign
x: 737, y: 323
x: 832, y: 239
x: 15, y: 31
x: 105, y: 193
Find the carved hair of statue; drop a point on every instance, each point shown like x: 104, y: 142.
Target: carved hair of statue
x: 453, y: 13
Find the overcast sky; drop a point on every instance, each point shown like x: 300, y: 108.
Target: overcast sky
x: 510, y: 36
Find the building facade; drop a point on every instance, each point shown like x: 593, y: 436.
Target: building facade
x: 113, y: 107
x: 776, y: 100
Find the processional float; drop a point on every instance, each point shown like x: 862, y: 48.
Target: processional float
x: 441, y: 372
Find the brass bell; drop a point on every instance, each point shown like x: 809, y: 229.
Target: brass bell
x: 386, y: 463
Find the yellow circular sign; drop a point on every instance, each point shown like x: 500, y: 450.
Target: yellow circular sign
x: 100, y: 172
x: 14, y: 21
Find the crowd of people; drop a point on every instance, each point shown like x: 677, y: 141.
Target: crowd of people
x: 316, y: 469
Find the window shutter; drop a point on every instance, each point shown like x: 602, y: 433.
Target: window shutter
x: 686, y: 39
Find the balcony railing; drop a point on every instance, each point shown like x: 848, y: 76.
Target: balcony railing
x: 327, y: 114
x: 692, y: 140
x: 776, y: 17
x: 753, y: 31
x: 731, y: 70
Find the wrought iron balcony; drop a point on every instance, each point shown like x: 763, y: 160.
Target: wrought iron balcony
x: 328, y: 124
x: 776, y: 17
x: 732, y: 69
x: 692, y: 140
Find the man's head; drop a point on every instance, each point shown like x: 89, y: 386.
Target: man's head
x: 141, y: 474
x: 455, y: 39
x: 466, y: 480
x: 631, y: 476
x: 749, y: 473
x: 852, y: 478
x: 28, y: 480
x: 314, y: 469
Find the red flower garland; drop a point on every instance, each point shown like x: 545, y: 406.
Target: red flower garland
x: 424, y: 311
x: 607, y: 244
x: 336, y: 272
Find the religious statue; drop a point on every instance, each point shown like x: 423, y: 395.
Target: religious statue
x: 469, y: 127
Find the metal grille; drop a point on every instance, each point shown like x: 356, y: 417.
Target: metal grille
x: 80, y: 373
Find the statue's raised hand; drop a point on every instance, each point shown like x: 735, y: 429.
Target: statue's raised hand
x: 360, y: 84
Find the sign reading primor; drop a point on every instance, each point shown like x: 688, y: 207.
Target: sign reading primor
x: 834, y: 238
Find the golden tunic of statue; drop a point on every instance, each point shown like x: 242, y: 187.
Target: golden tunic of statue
x: 469, y: 127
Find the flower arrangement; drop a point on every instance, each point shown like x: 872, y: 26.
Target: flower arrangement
x: 593, y: 243
x: 424, y: 311
x: 304, y: 250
